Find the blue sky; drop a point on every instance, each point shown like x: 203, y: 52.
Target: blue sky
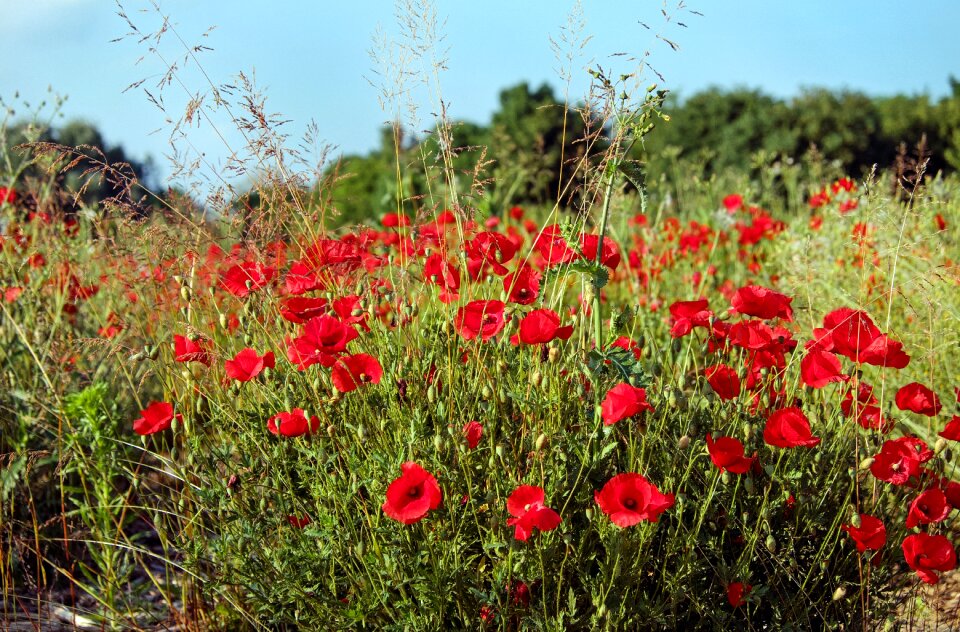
x: 311, y: 58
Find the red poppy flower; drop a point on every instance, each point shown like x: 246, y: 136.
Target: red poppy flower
x: 323, y: 339
x: 351, y: 371
x: 952, y: 429
x: 629, y: 498
x: 723, y: 380
x: 244, y: 278
x: 789, y: 428
x: 480, y: 318
x: 761, y: 302
x: 338, y: 256
x: 610, y: 255
x: 11, y: 294
x: 733, y: 202
x: 488, y: 252
x: 865, y: 409
x: 526, y: 505
x: 928, y: 554
x: 689, y: 314
x: 472, y: 431
x: 300, y: 309
x: 900, y: 459
x: 540, y: 327
x: 919, y: 399
x: 754, y: 335
x: 440, y: 272
x: 412, y: 495
x: 301, y: 279
x: 297, y: 522
x: 292, y: 424
x: 156, y: 417
x: 247, y: 365
x: 187, y: 350
x: 523, y: 286
x: 870, y: 535
x: 7, y: 196
x: 852, y: 334
x: 553, y: 247
x: 628, y: 345
x: 727, y: 454
x: 622, y: 401
x: 736, y: 593
x: 928, y: 507
x: 819, y: 368
x: 347, y: 309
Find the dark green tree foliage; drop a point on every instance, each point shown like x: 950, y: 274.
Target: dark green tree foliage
x: 93, y: 153
x: 724, y: 129
x: 527, y: 154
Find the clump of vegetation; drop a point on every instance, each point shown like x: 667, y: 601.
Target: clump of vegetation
x: 643, y: 402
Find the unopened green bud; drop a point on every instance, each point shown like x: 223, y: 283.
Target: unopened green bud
x: 839, y: 593
x: 536, y: 378
x: 771, y: 544
x: 540, y: 442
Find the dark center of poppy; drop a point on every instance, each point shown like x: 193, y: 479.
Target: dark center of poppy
x: 629, y: 503
x: 489, y: 319
x: 413, y: 492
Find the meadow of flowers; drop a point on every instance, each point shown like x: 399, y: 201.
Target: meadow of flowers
x: 700, y: 413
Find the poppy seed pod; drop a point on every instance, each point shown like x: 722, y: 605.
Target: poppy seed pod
x: 771, y: 543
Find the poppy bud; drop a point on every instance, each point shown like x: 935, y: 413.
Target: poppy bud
x: 553, y: 355
x: 726, y: 477
x: 536, y: 378
x: 485, y: 392
x: 749, y: 485
x: 438, y: 443
x: 748, y: 431
x: 683, y: 442
x: 855, y: 520
x: 223, y: 321
x: 331, y: 430
x: 362, y: 432
x: 152, y: 352
x: 431, y: 394
x: 676, y: 345
x: 866, y: 463
x: 588, y: 512
x: 771, y: 544
x: 175, y: 423
x: 502, y: 396
x: 185, y: 292
x: 540, y: 442
x: 839, y: 593
x: 940, y: 446
x: 499, y: 450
